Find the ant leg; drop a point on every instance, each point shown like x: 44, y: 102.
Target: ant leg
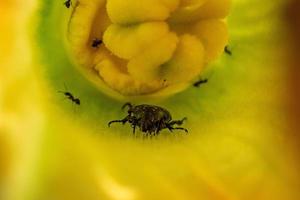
x: 74, y: 110
x: 66, y: 97
x: 127, y: 104
x: 66, y: 89
x: 178, y: 122
x: 123, y: 121
x: 227, y: 50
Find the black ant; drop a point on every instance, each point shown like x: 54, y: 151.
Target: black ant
x: 71, y: 97
x: 227, y: 50
x: 68, y: 3
x: 96, y: 43
x: 200, y: 82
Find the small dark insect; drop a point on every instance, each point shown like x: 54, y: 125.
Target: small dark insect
x: 200, y: 82
x: 150, y: 119
x: 71, y: 97
x: 227, y: 50
x: 96, y: 43
x: 68, y: 3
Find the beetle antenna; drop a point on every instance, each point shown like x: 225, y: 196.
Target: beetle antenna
x: 127, y: 104
x: 115, y: 121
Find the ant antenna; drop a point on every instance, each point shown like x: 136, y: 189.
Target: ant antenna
x: 65, y: 86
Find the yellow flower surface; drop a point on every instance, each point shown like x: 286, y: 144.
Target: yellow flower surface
x: 239, y: 145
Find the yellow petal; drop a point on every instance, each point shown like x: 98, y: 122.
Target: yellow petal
x: 134, y: 11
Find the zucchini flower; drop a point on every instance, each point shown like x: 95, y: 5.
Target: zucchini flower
x: 67, y: 67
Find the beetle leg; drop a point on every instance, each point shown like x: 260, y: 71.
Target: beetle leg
x: 172, y: 128
x: 158, y: 128
x: 123, y: 121
x: 181, y: 129
x: 151, y: 135
x: 157, y: 131
x: 169, y: 127
x: 178, y: 122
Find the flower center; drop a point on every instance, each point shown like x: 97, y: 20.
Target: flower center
x: 137, y: 48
